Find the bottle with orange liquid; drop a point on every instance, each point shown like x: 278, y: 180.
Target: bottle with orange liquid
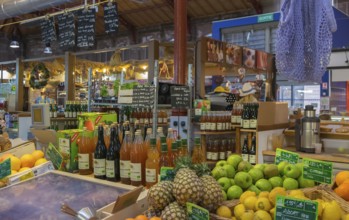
x: 174, y: 154
x: 169, y: 140
x: 152, y: 168
x: 125, y: 159
x: 164, y: 157
x: 198, y: 155
x: 137, y: 161
x: 147, y: 140
x: 184, y: 148
x: 159, y: 135
x: 85, y: 154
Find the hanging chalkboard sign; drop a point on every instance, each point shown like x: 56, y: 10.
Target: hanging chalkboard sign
x: 48, y: 30
x: 143, y: 95
x: 86, y: 22
x: 66, y: 30
x: 180, y: 96
x: 111, y: 18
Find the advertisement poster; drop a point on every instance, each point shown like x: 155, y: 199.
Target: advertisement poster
x: 233, y: 54
x: 215, y: 51
x: 249, y: 57
x: 262, y: 60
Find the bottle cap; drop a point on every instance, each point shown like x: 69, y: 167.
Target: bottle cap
x: 163, y: 140
x: 170, y: 130
x: 197, y: 140
x: 163, y: 147
x: 152, y: 141
x: 174, y: 145
x: 184, y: 141
x: 149, y: 131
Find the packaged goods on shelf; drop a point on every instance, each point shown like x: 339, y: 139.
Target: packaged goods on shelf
x: 90, y: 120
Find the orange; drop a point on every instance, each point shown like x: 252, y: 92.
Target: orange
x: 23, y: 169
x: 341, y: 177
x: 141, y: 217
x: 130, y: 219
x: 343, y: 191
x: 27, y: 160
x: 345, y: 181
x: 40, y: 161
x: 155, y: 218
x: 15, y: 163
x: 5, y: 156
x: 37, y: 154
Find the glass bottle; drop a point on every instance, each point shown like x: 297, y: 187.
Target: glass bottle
x: 85, y: 154
x: 244, y: 150
x: 137, y: 160
x: 215, y: 150
x: 253, y: 119
x: 145, y: 129
x: 203, y: 122
x: 174, y: 153
x: 66, y: 110
x: 51, y: 110
x: 149, y: 116
x: 238, y: 113
x: 164, y: 118
x: 219, y: 122
x: 135, y: 128
x: 179, y: 148
x: 152, y: 168
x: 252, y: 153
x: 132, y: 116
x: 169, y: 140
x: 74, y: 110
x: 112, y: 164
x: 222, y: 150
x: 209, y: 150
x: 233, y: 114
x: 100, y: 155
x: 106, y: 135
x: 184, y: 151
x: 125, y: 159
x: 147, y: 140
x: 142, y: 116
x: 208, y: 121
x: 164, y: 157
x: 198, y: 156
x: 159, y: 134
x: 214, y: 122
x: 95, y: 134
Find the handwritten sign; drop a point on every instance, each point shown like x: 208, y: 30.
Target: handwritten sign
x: 86, y: 22
x: 5, y: 168
x: 196, y: 212
x: 288, y: 208
x: 66, y: 30
x: 317, y: 170
x: 284, y: 155
x: 111, y: 18
x: 180, y: 96
x: 143, y: 95
x: 48, y: 30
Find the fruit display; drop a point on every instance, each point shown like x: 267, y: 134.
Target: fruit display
x: 341, y: 186
x: 237, y: 176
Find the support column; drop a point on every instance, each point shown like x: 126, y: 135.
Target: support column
x: 19, y: 85
x: 69, y: 60
x: 180, y: 39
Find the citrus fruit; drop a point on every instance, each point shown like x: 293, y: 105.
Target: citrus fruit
x: 276, y: 191
x: 341, y: 177
x: 27, y: 160
x: 23, y: 169
x: 239, y: 210
x: 15, y: 163
x: 141, y: 217
x: 14, y: 172
x: 5, y: 156
x: 37, y: 154
x: 224, y: 211
x: 264, y: 194
x: 40, y: 161
x: 248, y: 215
x: 262, y: 215
x: 155, y: 218
x: 263, y: 204
x: 129, y: 219
x: 296, y: 192
x: 250, y: 202
x: 320, y: 206
x: 332, y: 211
x: 246, y: 194
x: 343, y: 191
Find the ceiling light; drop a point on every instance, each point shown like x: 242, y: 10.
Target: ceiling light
x: 14, y: 44
x: 48, y: 49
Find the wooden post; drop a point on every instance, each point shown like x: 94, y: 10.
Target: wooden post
x: 180, y: 40
x: 19, y: 86
x: 153, y: 54
x: 200, y: 68
x: 69, y: 86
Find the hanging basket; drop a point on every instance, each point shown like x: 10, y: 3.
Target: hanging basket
x: 39, y: 76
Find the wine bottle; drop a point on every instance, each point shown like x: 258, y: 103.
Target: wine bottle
x: 112, y: 164
x: 244, y: 150
x: 100, y: 155
x: 252, y: 153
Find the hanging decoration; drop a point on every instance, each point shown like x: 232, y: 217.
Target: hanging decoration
x: 39, y: 76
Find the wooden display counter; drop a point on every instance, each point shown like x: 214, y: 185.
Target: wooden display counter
x: 331, y: 135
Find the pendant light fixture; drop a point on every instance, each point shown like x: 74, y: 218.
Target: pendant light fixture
x: 48, y: 49
x: 15, y: 38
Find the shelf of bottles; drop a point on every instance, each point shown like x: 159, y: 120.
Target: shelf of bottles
x: 245, y: 115
x: 214, y: 122
x: 249, y: 151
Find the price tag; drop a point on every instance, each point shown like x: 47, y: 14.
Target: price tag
x: 196, y: 212
x: 317, y: 170
x: 284, y: 155
x: 54, y: 155
x: 166, y: 173
x: 5, y: 168
x: 288, y: 208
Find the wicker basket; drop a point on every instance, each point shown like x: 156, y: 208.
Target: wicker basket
x: 323, y: 192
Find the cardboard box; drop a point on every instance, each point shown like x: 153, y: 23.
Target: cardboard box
x: 272, y: 115
x: 92, y: 119
x: 20, y: 150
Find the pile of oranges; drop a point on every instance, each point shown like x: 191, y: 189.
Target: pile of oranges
x: 342, y: 182
x: 143, y: 217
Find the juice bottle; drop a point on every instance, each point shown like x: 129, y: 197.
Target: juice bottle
x: 160, y: 117
x: 164, y: 117
x: 125, y: 159
x: 152, y: 169
x: 223, y: 150
x: 208, y: 121
x: 159, y: 134
x: 85, y: 154
x: 179, y: 148
x: 196, y: 155
x: 137, y: 161
x: 174, y: 154
x: 147, y: 140
x: 164, y: 158
x: 209, y: 150
x: 169, y: 140
x: 184, y: 148
x: 150, y: 116
x: 215, y: 150
x: 203, y: 122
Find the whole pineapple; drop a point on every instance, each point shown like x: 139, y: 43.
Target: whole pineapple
x: 151, y: 212
x: 213, y: 194
x: 174, y: 212
x: 187, y: 187
x: 160, y: 195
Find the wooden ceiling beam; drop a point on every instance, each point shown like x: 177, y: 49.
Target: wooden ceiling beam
x: 257, y: 6
x: 131, y: 27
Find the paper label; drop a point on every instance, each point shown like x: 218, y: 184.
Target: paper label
x: 84, y: 161
x: 213, y: 126
x: 125, y: 169
x: 202, y: 126
x: 252, y: 159
x: 219, y: 126
x: 150, y: 175
x: 136, y: 171
x: 207, y: 126
x: 244, y: 157
x: 246, y: 123
x: 233, y: 119
x: 54, y: 155
x: 64, y: 145
x: 229, y: 153
x: 99, y: 167
x: 284, y: 155
x: 110, y: 168
x: 208, y: 155
x: 238, y: 119
x: 253, y: 123
x: 222, y: 155
x: 160, y: 120
x: 214, y: 155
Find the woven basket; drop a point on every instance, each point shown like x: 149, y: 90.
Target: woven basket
x: 323, y: 192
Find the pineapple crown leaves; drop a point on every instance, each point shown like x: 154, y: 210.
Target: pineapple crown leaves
x: 186, y: 162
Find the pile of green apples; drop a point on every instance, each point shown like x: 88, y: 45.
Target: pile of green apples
x: 236, y: 176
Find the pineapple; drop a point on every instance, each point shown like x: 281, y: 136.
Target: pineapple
x: 213, y: 195
x: 187, y: 187
x: 160, y: 195
x: 174, y: 212
x: 151, y: 212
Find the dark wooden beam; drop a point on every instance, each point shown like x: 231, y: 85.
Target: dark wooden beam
x: 257, y: 6
x: 131, y: 27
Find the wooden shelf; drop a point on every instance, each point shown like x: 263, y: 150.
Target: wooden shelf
x: 63, y: 119
x: 214, y: 132
x: 323, y: 156
x: 330, y: 135
x: 248, y: 130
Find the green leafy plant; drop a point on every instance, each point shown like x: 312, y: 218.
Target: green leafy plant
x: 116, y: 87
x: 104, y: 91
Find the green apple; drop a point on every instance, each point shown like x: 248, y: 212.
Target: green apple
x: 254, y: 188
x: 221, y: 163
x: 232, y: 181
x: 234, y: 192
x: 304, y: 183
x: 256, y: 174
x: 292, y: 171
x: 290, y: 184
x: 243, y: 179
x: 244, y: 166
x: 270, y: 170
x: 225, y: 197
x: 234, y: 160
x: 260, y: 166
x: 276, y: 181
x: 264, y: 185
x: 224, y: 182
x: 230, y: 170
x: 281, y: 167
x: 300, y: 166
x: 218, y: 172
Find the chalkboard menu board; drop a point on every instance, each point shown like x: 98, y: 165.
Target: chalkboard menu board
x: 180, y: 96
x: 143, y: 95
x: 48, y: 31
x: 111, y: 18
x: 86, y: 22
x: 66, y: 30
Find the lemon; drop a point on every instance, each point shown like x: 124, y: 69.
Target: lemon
x: 15, y: 163
x: 239, y: 210
x: 320, y: 206
x: 250, y: 202
x: 233, y: 218
x: 276, y: 191
x: 296, y: 192
x: 345, y: 217
x: 332, y: 211
x: 224, y: 211
x: 37, y: 154
x: 13, y: 172
x: 40, y: 161
x: 262, y: 215
x: 263, y: 204
x: 245, y: 195
x: 272, y: 212
x: 248, y: 215
x: 264, y: 194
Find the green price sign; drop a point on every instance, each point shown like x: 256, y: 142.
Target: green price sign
x: 317, y: 170
x: 284, y: 155
x: 166, y: 173
x: 54, y: 156
x: 5, y: 168
x: 196, y: 212
x: 288, y: 208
